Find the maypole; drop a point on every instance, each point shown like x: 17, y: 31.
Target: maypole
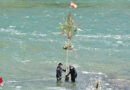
x: 66, y: 61
x: 69, y: 29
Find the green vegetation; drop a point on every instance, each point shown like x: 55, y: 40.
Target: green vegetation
x: 68, y: 27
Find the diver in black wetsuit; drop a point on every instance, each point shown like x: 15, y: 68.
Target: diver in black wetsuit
x: 73, y: 73
x: 59, y: 72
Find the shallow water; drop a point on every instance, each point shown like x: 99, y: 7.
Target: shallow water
x: 31, y: 44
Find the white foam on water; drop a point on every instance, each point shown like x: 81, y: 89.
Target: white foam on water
x: 42, y: 35
x: 76, y: 65
x: 25, y: 61
x: 120, y: 83
x: 98, y: 73
x: 26, y: 16
x: 42, y: 40
x: 80, y: 17
x: 56, y: 88
x: 117, y: 37
x: 52, y: 40
x: 88, y: 48
x: 107, y: 36
x: 89, y: 36
x: 50, y: 62
x: 56, y: 33
x: 109, y: 89
x: 107, y: 84
x: 48, y: 15
x: 13, y: 81
x: 90, y: 88
x: 12, y: 26
x: 15, y: 32
x: 18, y: 87
x: 75, y: 14
x: 120, y: 42
x: 92, y: 48
x: 11, y: 31
x: 80, y: 29
x: 38, y: 34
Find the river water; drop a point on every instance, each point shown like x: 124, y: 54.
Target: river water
x: 31, y: 44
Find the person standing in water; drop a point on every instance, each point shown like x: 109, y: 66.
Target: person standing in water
x: 59, y: 72
x: 73, y: 73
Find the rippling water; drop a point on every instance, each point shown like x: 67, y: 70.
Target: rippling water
x: 31, y: 44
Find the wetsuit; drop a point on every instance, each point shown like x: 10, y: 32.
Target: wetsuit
x: 59, y: 73
x: 73, y: 74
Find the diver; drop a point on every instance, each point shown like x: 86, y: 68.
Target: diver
x: 73, y: 73
x: 59, y: 72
